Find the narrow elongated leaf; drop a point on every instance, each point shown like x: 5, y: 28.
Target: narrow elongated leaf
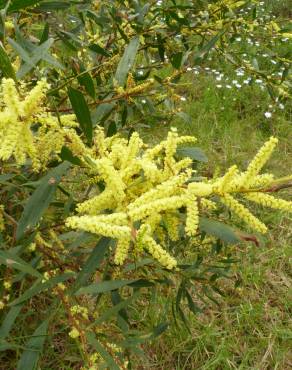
x: 13, y: 261
x: 104, y: 286
x: 34, y: 347
x: 115, y: 309
x: 9, y: 320
x: 67, y: 155
x: 81, y: 110
x: 86, y: 80
x: 16, y: 5
x: 38, y: 54
x: 207, y: 47
x: 219, y: 230
x: 5, y: 65
x: 127, y: 61
x: 104, y: 354
x: 92, y: 263
x: 99, y: 50
x: 40, y: 199
x: 193, y: 153
x: 53, y: 5
x: 40, y: 287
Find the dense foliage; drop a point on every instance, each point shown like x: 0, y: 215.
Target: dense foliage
x: 94, y: 221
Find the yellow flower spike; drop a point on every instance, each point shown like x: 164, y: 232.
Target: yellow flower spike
x: 170, y: 149
x: 11, y: 97
x: 162, y: 190
x: 16, y: 118
x: 151, y: 171
x: 111, y: 176
x: 208, y: 204
x: 32, y: 103
x: 261, y: 180
x: 172, y: 222
x: 158, y: 205
x: 258, y: 162
x: 222, y: 185
x: 201, y: 189
x: 135, y: 143
x: 92, y: 225
x: 158, y: 253
x: 269, y: 201
x: 192, y: 220
x: 243, y: 213
x: 144, y: 240
x: 122, y: 248
x: 96, y: 204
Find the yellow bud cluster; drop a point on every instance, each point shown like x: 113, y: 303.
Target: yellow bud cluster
x: 74, y: 333
x: 243, y: 213
x: 192, y: 220
x: 269, y: 201
x: 79, y: 310
x: 172, y: 222
x: 155, y: 249
x: 18, y: 115
x: 259, y: 161
x: 147, y: 191
x: 95, y: 226
x: 122, y: 248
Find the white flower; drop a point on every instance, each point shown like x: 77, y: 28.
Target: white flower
x: 268, y: 114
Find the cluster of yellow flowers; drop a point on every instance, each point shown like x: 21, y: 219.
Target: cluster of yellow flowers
x: 148, y: 191
x: 28, y: 131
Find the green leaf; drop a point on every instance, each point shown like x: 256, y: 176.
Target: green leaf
x: 127, y: 61
x: 40, y: 287
x: 19, y: 4
x: 13, y: 261
x: 45, y: 34
x: 86, y: 81
x: 9, y: 320
x: 32, y: 59
x: 176, y: 60
x: 82, y: 112
x: 34, y: 348
x: 104, y: 354
x: 40, y: 199
x: 206, y: 48
x: 219, y: 230
x: 195, y: 309
x: 99, y: 50
x: 193, y: 153
x: 5, y: 65
x: 92, y: 263
x: 102, y: 112
x: 115, y: 309
x: 104, y: 286
x: 67, y: 155
x: 53, y: 5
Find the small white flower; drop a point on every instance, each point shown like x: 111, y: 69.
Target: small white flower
x: 228, y: 86
x: 219, y: 86
x: 268, y: 114
x: 182, y: 98
x: 281, y: 106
